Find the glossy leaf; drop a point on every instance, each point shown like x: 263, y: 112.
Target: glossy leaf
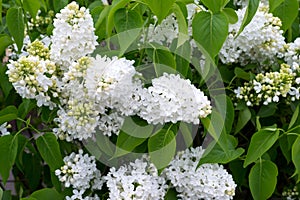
x: 263, y: 179
x: 182, y: 56
x: 294, y: 118
x: 250, y: 12
x: 243, y: 118
x: 128, y: 25
x: 8, y: 151
x: 260, y: 143
x: 160, y: 8
x: 59, y: 4
x: 274, y: 4
x: 109, y: 11
x: 240, y: 73
x: 210, y: 31
x: 15, y: 25
x: 162, y: 59
x: 131, y: 136
x: 296, y: 157
x: 49, y: 149
x: 47, y: 194
x: 1, y: 193
x: 8, y: 113
x: 162, y: 148
x: 5, y: 41
x: 31, y: 6
x: 287, y: 12
x: 231, y: 15
x: 223, y: 151
x: 0, y: 17
x: 216, y: 5
x: 179, y: 12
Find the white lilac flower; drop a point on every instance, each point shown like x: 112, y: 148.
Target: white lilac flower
x: 138, y: 180
x: 111, y: 82
x: 163, y: 33
x: 78, y: 119
x: 173, y: 99
x: 79, y: 172
x: 78, y: 195
x: 73, y: 35
x: 270, y: 87
x: 111, y: 123
x: 3, y: 129
x: 260, y: 42
x: 208, y: 181
x: 34, y: 76
x: 292, y: 54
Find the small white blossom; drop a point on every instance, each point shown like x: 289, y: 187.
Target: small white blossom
x: 173, y: 99
x: 3, y: 129
x: 261, y: 41
x: 73, y: 35
x: 138, y: 180
x: 209, y: 181
x: 79, y: 172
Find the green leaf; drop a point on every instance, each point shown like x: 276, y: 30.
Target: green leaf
x: 179, y: 10
x: 287, y: 12
x: 8, y: 113
x: 47, y: 194
x: 31, y: 6
x: 49, y: 149
x: 131, y: 136
x: 260, y: 143
x: 296, y: 157
x: 182, y: 56
x: 59, y: 4
x: 29, y: 198
x: 127, y: 19
x: 109, y: 11
x: 263, y: 179
x: 223, y: 151
x: 294, y: 117
x: 0, y: 16
x: 274, y: 4
x: 267, y: 111
x: 216, y: 5
x: 160, y: 8
x: 227, y: 108
x: 5, y: 41
x: 239, y: 173
x: 8, y: 151
x: 162, y: 59
x: 171, y: 194
x: 162, y: 148
x: 7, y: 195
x: 243, y: 118
x: 250, y: 12
x: 128, y: 25
x: 231, y: 15
x: 15, y: 25
x: 1, y: 191
x: 240, y: 73
x: 32, y: 169
x: 210, y: 31
x: 22, y: 142
x: 285, y: 147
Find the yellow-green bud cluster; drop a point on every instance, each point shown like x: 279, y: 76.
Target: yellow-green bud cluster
x: 37, y: 48
x: 291, y: 193
x: 268, y: 87
x: 40, y: 22
x: 78, y: 69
